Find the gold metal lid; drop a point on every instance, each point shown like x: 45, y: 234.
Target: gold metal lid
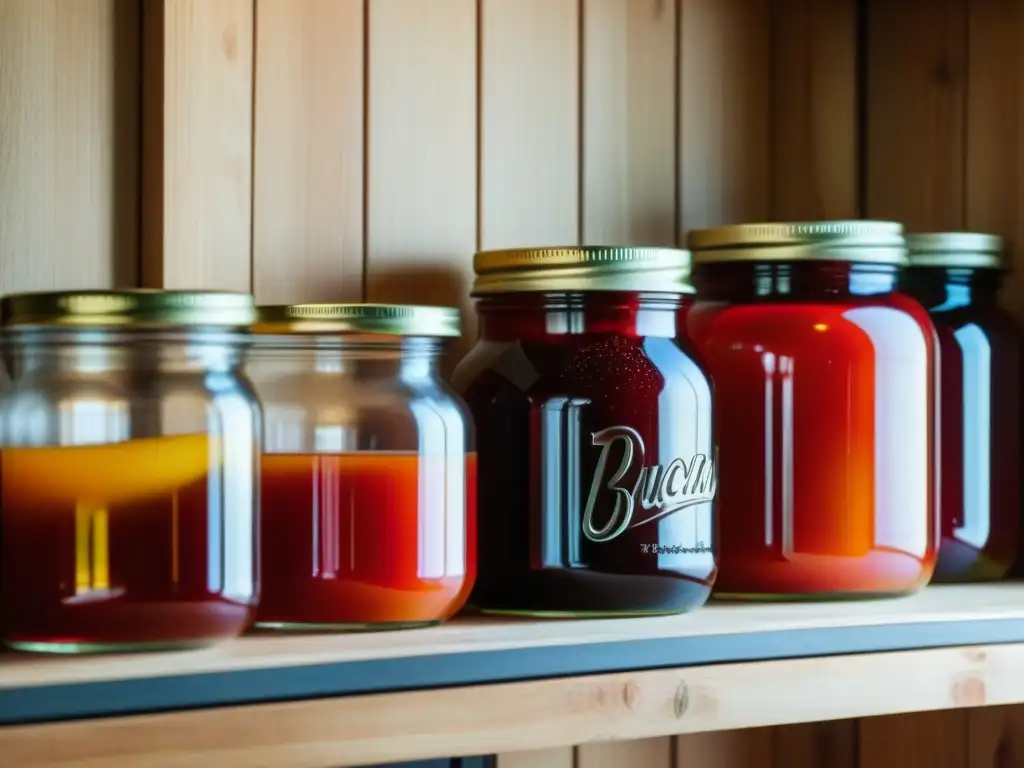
x: 141, y: 308
x: 876, y: 242
x: 384, y: 319
x: 971, y: 250
x: 582, y: 268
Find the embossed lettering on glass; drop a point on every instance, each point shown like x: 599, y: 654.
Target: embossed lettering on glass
x: 128, y: 457
x: 595, y: 443
x: 957, y: 277
x: 824, y: 383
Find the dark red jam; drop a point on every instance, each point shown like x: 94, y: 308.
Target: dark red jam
x: 597, y: 471
x: 824, y: 379
x: 980, y: 386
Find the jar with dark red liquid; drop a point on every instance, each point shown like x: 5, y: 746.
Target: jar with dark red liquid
x: 129, y: 442
x: 957, y: 277
x: 595, y: 443
x: 368, y: 472
x: 825, y: 392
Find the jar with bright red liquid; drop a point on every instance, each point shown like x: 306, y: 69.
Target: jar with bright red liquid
x: 595, y: 442
x: 957, y: 277
x: 368, y: 481
x: 824, y: 382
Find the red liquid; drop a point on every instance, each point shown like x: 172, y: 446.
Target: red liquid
x: 548, y: 377
x: 980, y: 448
x: 824, y: 391
x: 366, y: 539
x: 120, y: 545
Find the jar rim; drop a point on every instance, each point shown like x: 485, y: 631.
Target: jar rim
x: 952, y: 250
x: 358, y: 318
x: 851, y: 241
x: 582, y: 268
x: 141, y: 308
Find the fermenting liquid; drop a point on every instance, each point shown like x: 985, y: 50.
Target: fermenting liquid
x: 120, y: 544
x: 366, y: 539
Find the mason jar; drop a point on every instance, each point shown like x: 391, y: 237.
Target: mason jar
x: 368, y: 468
x: 825, y: 390
x: 957, y: 276
x: 129, y: 443
x: 595, y: 434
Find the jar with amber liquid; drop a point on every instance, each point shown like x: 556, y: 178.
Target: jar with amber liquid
x: 368, y: 468
x: 957, y: 277
x: 129, y: 442
x: 595, y: 441
x: 825, y: 390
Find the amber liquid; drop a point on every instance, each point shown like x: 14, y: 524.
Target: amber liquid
x: 120, y: 546
x: 366, y: 540
x: 826, y: 414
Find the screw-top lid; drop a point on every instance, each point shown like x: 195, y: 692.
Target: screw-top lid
x: 582, y: 268
x: 384, y: 319
x: 969, y: 250
x: 141, y: 307
x: 878, y: 242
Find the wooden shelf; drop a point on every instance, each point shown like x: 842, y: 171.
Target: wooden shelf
x: 359, y: 699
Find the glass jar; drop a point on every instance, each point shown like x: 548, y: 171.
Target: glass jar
x: 824, y: 382
x: 369, y: 474
x: 128, y: 456
x: 595, y: 443
x: 957, y: 277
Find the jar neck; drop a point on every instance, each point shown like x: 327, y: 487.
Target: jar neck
x: 941, y: 288
x: 406, y: 359
x: 516, y: 316
x: 800, y: 280
x: 101, y: 352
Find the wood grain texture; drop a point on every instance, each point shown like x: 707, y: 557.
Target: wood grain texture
x: 629, y: 122
x: 918, y: 740
x: 832, y: 744
x: 366, y: 730
x: 69, y: 144
x: 529, y: 123
x: 308, y: 175
x: 994, y: 165
x: 421, y: 145
x: 915, y: 112
x: 995, y: 737
x: 649, y: 753
x: 814, y: 145
x: 724, y: 101
x: 745, y: 748
x: 197, y: 144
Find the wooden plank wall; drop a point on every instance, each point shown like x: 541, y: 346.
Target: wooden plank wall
x: 347, y: 149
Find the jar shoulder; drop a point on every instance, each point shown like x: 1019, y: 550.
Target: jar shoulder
x: 580, y: 363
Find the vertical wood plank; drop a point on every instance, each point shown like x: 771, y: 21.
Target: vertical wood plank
x: 918, y: 740
x: 649, y: 753
x: 538, y: 758
x: 995, y: 737
x: 69, y: 94
x: 629, y: 122
x: 197, y: 144
x: 529, y: 123
x: 915, y: 112
x: 832, y: 744
x: 995, y: 117
x: 746, y: 748
x: 814, y: 145
x: 308, y: 174
x: 422, y: 149
x: 724, y: 105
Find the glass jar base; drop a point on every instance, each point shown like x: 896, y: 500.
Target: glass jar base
x: 298, y: 627
x: 809, y: 597
x: 74, y: 648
